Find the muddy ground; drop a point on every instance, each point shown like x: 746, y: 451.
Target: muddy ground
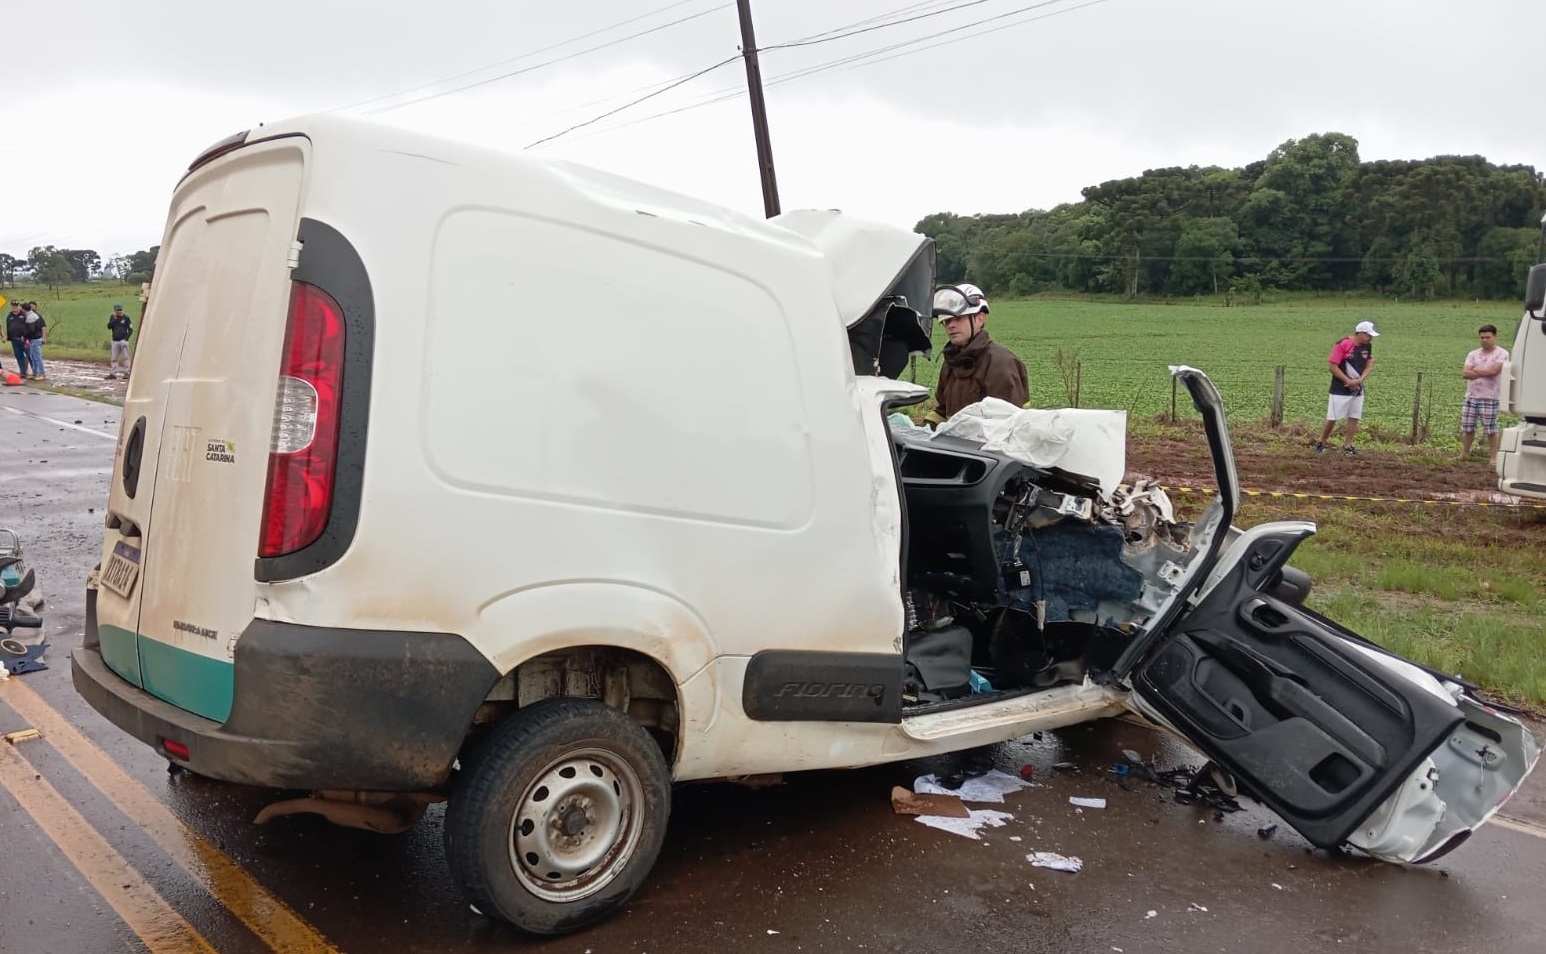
x: 1285, y: 460
x: 86, y: 378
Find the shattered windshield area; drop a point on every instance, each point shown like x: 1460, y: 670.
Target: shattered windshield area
x: 1035, y: 553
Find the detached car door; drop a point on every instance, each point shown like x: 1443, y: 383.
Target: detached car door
x: 1346, y: 742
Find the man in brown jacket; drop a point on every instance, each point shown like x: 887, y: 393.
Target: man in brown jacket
x: 975, y: 366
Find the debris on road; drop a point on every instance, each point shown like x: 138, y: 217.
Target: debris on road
x: 1087, y: 802
x: 23, y: 735
x: 1265, y: 832
x: 990, y: 786
x: 1191, y: 785
x: 904, y: 802
x: 1197, y: 907
x: 1055, y: 861
x: 967, y: 827
x: 17, y: 658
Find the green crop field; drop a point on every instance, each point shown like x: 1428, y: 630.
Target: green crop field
x: 1124, y: 350
x: 77, y: 316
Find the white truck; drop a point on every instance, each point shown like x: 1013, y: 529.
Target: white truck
x: 1521, y: 461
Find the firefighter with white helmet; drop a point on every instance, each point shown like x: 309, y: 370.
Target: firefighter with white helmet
x: 975, y: 366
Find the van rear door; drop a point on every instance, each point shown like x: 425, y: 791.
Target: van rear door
x: 177, y: 585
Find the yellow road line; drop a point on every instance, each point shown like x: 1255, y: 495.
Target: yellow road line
x: 1523, y: 827
x: 264, y: 914
x: 142, y: 908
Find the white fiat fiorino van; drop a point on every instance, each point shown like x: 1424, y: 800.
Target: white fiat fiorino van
x: 446, y: 473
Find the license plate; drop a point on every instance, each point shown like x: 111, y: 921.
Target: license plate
x: 123, y: 570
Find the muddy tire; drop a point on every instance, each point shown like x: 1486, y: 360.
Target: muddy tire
x: 558, y: 816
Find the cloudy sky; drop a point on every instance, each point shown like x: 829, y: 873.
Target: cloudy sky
x: 970, y: 106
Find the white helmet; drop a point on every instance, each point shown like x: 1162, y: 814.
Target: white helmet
x: 957, y: 301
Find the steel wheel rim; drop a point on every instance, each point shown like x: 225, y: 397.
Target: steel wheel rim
x: 577, y: 825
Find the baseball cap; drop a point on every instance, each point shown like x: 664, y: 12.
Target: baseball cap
x: 958, y: 301
x: 115, y: 307
x: 1367, y: 328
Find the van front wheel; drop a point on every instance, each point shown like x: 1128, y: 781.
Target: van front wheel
x: 559, y: 815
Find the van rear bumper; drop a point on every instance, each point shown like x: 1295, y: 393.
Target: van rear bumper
x: 313, y: 708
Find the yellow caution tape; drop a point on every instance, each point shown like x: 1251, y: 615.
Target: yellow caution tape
x: 1208, y: 491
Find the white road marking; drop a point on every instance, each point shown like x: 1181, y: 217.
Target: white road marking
x: 54, y: 420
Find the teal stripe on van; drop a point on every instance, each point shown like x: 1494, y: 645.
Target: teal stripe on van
x: 120, y: 653
x: 187, y: 680
x: 202, y: 685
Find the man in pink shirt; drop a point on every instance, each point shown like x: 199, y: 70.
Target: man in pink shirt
x: 1351, y: 363
x: 1483, y: 373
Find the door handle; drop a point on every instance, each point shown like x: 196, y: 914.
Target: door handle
x: 1263, y: 615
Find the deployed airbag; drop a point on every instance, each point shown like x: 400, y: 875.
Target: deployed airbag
x: 1085, y: 443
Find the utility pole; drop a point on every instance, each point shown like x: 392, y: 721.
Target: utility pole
x: 759, y: 111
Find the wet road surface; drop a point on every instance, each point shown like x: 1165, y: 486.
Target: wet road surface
x: 102, y: 850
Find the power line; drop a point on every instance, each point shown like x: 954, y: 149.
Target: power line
x: 856, y: 60
x: 631, y: 103
x: 529, y: 120
x: 811, y: 41
x: 514, y: 59
x: 836, y: 33
x: 547, y: 63
x: 859, y: 23
x: 970, y: 36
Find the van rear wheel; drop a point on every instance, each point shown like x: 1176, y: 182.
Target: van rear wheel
x: 559, y: 816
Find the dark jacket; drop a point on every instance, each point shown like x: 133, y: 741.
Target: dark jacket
x: 120, y: 326
x: 981, y: 369
x: 15, y: 326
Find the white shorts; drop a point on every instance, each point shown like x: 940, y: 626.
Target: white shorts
x: 1344, y: 405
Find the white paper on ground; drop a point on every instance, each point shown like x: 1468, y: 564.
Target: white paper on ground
x: 1055, y: 861
x: 991, y: 787
x: 1087, y: 802
x: 967, y: 827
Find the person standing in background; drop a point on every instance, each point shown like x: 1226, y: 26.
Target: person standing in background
x: 1483, y: 372
x: 121, y: 327
x: 1352, y: 361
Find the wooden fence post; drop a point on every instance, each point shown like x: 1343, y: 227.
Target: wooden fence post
x: 1078, y: 377
x: 1277, y: 397
x: 1172, y: 399
x: 1417, y: 403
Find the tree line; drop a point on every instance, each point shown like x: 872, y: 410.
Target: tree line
x: 1310, y: 216
x: 53, y: 267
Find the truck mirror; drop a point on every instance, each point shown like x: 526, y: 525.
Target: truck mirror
x: 1535, y: 290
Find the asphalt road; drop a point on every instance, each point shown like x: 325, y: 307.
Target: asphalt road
x: 102, y: 850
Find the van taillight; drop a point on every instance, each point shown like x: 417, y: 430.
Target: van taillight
x: 304, y: 452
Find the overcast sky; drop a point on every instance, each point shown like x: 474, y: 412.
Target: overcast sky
x: 108, y: 102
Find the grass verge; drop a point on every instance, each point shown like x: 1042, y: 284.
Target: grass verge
x: 1456, y: 588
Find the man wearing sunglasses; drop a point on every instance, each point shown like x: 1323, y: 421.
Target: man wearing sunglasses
x: 975, y: 366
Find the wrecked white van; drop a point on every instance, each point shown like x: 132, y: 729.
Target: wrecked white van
x: 449, y: 473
